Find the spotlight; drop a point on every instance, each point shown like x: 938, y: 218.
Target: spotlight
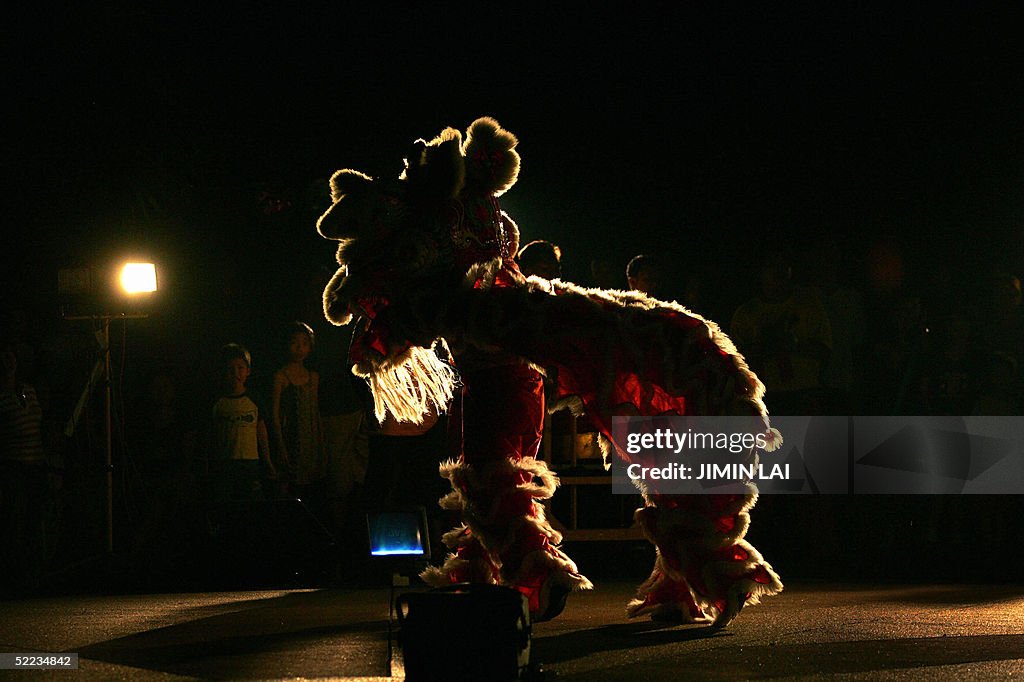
x: 138, y: 278
x: 122, y: 289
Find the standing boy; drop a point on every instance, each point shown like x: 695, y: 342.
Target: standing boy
x: 238, y: 443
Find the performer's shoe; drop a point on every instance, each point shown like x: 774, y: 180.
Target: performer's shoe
x: 546, y: 576
x: 548, y: 596
x: 557, y: 596
x: 734, y: 603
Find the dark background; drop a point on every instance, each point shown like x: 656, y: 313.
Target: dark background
x: 703, y: 133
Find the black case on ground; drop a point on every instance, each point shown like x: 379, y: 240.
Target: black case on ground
x: 465, y: 632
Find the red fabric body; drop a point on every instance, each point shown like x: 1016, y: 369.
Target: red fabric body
x: 500, y: 414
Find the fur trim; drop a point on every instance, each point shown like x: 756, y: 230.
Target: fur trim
x: 440, y: 576
x: 435, y: 170
x: 482, y: 275
x: 354, y: 205
x: 724, y: 581
x: 652, y: 593
x: 538, y: 468
x: 572, y: 403
x: 415, y: 385
x: 688, y: 536
x: 723, y: 577
x: 562, y: 570
x: 607, y: 452
x: 469, y: 562
x: 492, y: 164
x: 335, y: 303
x: 538, y: 283
x: 557, y: 560
x: 511, y: 233
x: 639, y: 604
x: 346, y: 181
x: 694, y: 526
x: 482, y: 494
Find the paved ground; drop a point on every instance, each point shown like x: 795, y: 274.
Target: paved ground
x: 845, y: 632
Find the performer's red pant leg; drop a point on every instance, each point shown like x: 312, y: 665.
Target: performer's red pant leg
x: 501, y: 415
x: 497, y: 484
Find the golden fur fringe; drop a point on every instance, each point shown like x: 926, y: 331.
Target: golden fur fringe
x: 678, y: 533
x: 482, y: 512
x: 492, y: 164
x: 417, y: 384
x: 480, y: 566
x: 496, y: 535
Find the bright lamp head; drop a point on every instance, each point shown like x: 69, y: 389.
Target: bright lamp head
x: 125, y: 288
x: 138, y: 278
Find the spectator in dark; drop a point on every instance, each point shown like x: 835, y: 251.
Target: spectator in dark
x: 785, y: 334
x: 845, y: 308
x: 894, y: 348
x: 946, y: 384
x: 645, y: 274
x: 693, y: 292
x: 540, y: 258
x: 1000, y: 328
x: 343, y: 402
x: 14, y: 321
x: 605, y: 275
x: 170, y: 519
x: 24, y: 480
x: 295, y: 422
x: 998, y: 382
x: 238, y: 449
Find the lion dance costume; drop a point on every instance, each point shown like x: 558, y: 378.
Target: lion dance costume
x: 426, y: 265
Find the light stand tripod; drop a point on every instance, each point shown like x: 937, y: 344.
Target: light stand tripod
x: 102, y: 369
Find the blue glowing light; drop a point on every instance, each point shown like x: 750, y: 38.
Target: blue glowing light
x: 393, y: 551
x: 396, y: 534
